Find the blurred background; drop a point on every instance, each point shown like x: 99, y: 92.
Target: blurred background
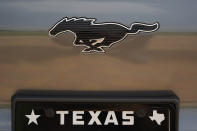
x: 163, y: 60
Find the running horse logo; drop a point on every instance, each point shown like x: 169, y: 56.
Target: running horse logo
x: 95, y: 36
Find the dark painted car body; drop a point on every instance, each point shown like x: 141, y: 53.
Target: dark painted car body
x: 161, y: 60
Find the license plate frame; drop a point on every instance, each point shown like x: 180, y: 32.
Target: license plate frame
x: 162, y: 99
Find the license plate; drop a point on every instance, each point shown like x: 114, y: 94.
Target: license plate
x: 94, y: 111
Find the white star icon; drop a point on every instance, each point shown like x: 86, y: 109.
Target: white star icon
x: 32, y: 118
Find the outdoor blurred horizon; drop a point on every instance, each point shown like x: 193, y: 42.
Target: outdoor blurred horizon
x: 162, y: 60
x: 174, y: 16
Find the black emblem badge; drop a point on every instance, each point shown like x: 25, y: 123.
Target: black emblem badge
x: 95, y: 36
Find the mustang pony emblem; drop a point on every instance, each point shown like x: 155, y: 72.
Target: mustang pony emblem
x: 95, y: 36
